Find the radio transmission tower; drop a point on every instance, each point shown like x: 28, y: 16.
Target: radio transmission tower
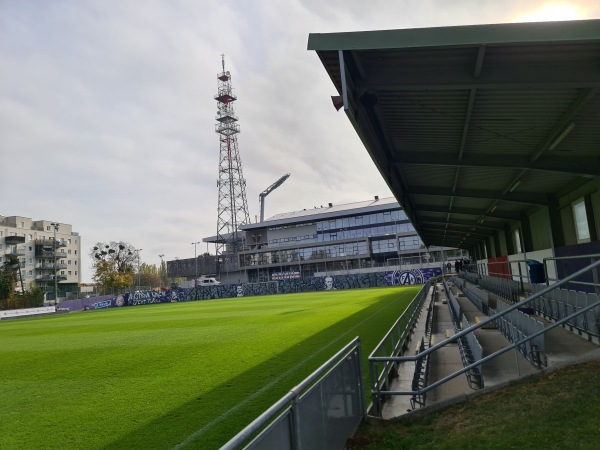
x: 232, y: 206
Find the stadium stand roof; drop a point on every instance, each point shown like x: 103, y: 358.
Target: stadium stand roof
x: 326, y: 212
x: 472, y: 127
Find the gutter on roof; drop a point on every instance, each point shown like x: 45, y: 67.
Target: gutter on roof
x: 466, y: 35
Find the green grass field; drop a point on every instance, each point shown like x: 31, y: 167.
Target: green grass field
x: 158, y: 375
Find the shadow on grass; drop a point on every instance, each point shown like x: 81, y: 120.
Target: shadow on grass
x: 212, y: 419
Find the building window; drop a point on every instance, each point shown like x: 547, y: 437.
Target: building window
x: 518, y: 241
x: 581, y: 224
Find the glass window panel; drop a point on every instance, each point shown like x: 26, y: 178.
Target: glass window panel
x: 581, y: 222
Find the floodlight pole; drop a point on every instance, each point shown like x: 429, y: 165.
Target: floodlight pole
x: 138, y: 250
x: 161, y: 265
x: 196, y: 262
x: 267, y: 191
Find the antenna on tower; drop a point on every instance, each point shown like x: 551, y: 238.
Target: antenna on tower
x: 232, y: 204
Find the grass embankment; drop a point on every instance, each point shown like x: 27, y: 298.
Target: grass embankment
x: 154, y: 376
x: 560, y: 410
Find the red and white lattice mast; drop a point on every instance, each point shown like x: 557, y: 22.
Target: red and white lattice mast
x: 232, y: 206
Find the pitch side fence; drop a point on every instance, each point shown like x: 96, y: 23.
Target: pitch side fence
x: 321, y: 413
x: 382, y: 368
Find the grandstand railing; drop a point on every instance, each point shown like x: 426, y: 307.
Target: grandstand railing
x: 394, y: 343
x: 379, y: 394
x: 566, y: 259
x: 322, y: 412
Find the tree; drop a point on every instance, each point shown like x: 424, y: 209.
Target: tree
x: 149, y: 275
x: 113, y: 264
x: 8, y: 279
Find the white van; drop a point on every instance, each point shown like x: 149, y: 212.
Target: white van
x: 204, y: 281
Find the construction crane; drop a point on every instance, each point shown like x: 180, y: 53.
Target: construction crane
x: 267, y: 191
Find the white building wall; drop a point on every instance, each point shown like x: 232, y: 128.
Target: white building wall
x: 41, y: 229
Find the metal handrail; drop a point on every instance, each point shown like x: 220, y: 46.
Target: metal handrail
x: 409, y: 316
x: 382, y: 342
x: 480, y: 325
x: 562, y: 258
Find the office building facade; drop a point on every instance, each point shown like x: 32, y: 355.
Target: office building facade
x: 355, y: 237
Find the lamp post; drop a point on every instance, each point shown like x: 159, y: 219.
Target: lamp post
x: 55, y: 225
x: 196, y: 262
x: 138, y: 250
x: 161, y: 266
x: 256, y: 238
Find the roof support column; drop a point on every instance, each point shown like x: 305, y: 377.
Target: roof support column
x: 556, y: 227
x: 508, y: 235
x: 497, y: 246
x: 526, y: 233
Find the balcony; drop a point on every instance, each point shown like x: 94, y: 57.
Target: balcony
x: 50, y: 278
x: 49, y: 243
x: 15, y: 252
x: 13, y: 240
x: 49, y: 254
x: 50, y: 266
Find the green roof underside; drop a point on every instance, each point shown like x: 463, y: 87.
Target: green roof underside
x: 473, y: 127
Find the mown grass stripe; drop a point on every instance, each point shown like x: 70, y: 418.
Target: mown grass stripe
x: 345, y: 335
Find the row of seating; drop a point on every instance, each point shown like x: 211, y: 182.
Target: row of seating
x: 560, y: 303
x: 507, y: 289
x: 479, y: 297
x: 421, y: 375
x: 515, y: 326
x: 470, y: 349
x: 473, y: 277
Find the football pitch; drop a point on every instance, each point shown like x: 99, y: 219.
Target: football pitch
x: 179, y: 375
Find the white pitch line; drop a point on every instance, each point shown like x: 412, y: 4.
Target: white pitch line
x: 196, y: 434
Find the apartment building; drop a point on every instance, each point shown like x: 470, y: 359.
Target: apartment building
x: 49, y: 253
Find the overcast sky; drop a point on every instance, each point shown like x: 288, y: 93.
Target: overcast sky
x: 107, y: 108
